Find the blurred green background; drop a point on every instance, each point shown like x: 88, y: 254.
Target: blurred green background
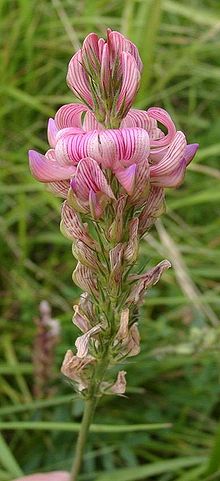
x: 175, y: 379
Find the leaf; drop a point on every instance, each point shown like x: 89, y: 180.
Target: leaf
x: 145, y: 471
x: 7, y: 459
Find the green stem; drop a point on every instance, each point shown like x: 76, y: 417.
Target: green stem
x: 89, y: 409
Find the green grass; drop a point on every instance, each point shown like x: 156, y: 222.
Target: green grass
x: 175, y: 379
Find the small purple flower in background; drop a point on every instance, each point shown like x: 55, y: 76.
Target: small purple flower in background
x: 111, y: 163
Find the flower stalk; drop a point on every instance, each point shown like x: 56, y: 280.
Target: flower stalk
x: 111, y: 163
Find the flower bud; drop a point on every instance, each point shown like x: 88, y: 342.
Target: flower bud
x: 131, y: 251
x: 154, y: 207
x: 72, y: 227
x: 85, y: 279
x: 85, y: 255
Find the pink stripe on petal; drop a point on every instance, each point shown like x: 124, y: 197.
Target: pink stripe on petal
x: 130, y: 81
x: 90, y: 122
x: 77, y: 79
x: 59, y: 188
x: 51, y: 132
x: 126, y: 178
x: 70, y: 115
x: 172, y: 158
x: 164, y: 118
x: 90, y: 176
x: 173, y: 179
x: 139, y: 118
x: 118, y: 43
x: 46, y: 170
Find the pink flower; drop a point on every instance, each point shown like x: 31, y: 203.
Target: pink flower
x: 90, y: 190
x: 105, y: 75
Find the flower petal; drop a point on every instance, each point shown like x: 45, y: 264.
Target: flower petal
x: 51, y: 132
x: 126, y: 178
x: 59, y: 188
x: 130, y: 82
x: 190, y: 152
x: 171, y: 159
x: 89, y: 176
x: 77, y: 79
x: 46, y: 170
x: 82, y: 342
x: 118, y: 43
x: 164, y: 118
x: 70, y: 115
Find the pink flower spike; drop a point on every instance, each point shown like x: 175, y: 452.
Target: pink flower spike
x: 126, y: 178
x: 51, y: 132
x: 46, y: 170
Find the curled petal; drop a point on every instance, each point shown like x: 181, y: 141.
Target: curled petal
x: 52, y: 132
x: 70, y: 115
x: 45, y: 170
x: 116, y: 229
x: 141, y: 184
x: 82, y: 342
x: 133, y: 343
x: 164, y: 118
x: 173, y: 179
x: 123, y: 328
x: 171, y: 159
x: 115, y: 257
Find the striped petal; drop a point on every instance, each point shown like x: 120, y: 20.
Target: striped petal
x: 46, y: 170
x: 171, y: 159
x: 118, y: 43
x: 90, y: 122
x: 59, y: 188
x: 160, y: 115
x: 89, y: 177
x: 77, y: 79
x: 130, y: 82
x: 52, y: 132
x: 70, y: 115
x: 172, y: 179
